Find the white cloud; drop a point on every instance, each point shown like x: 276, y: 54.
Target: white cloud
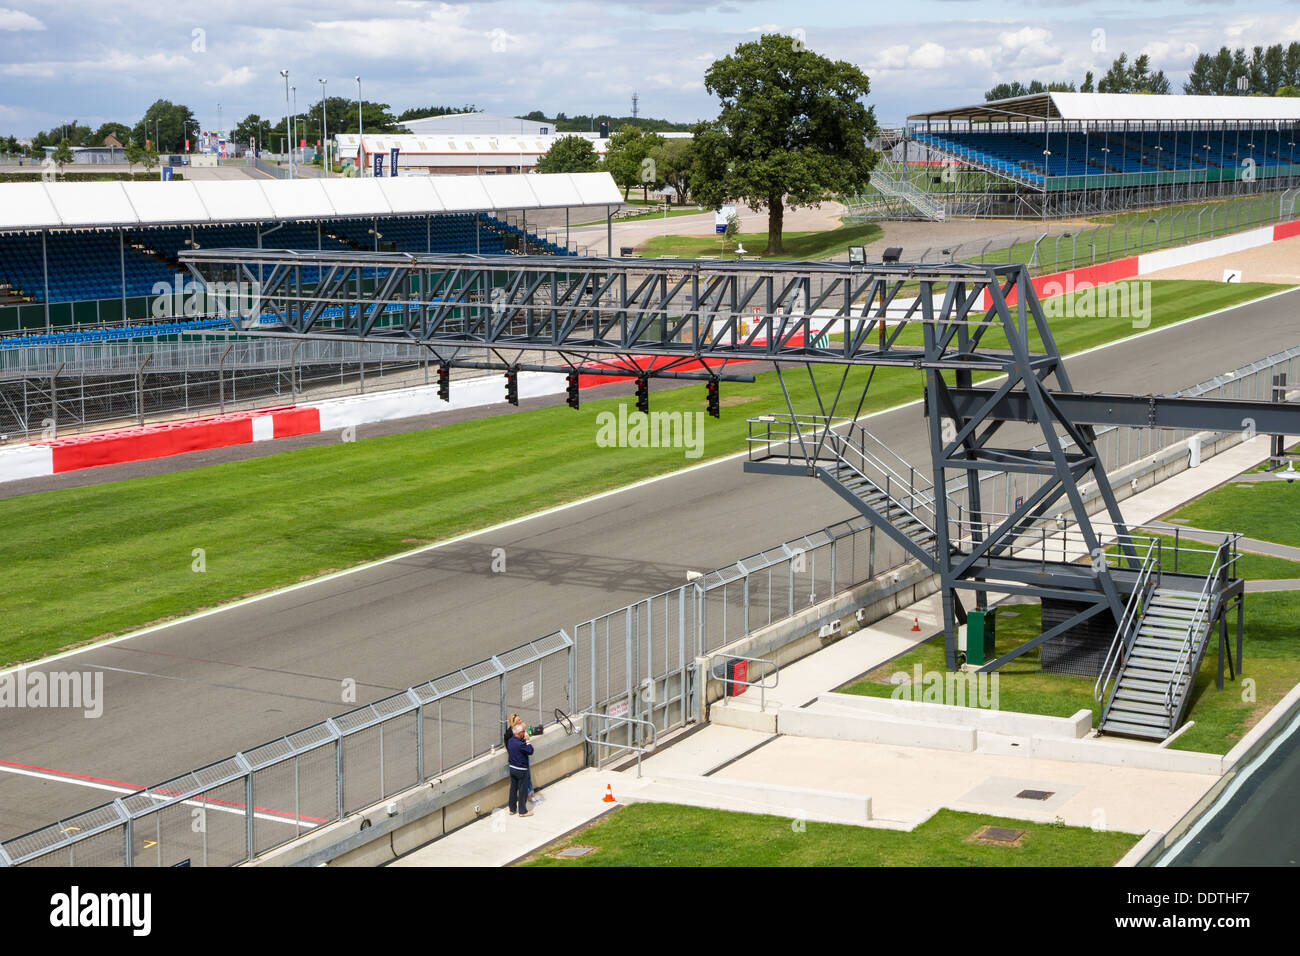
x: 890, y: 58
x: 928, y: 56
x: 15, y: 20
x: 239, y: 77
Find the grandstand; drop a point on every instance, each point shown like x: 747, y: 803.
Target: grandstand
x: 81, y: 254
x: 1060, y: 154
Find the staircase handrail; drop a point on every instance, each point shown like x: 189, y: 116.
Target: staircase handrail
x: 893, y: 501
x: 1203, y: 604
x: 916, y: 492
x: 1125, y: 633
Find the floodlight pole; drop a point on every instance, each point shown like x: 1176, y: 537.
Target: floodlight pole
x: 285, y: 74
x: 324, y: 129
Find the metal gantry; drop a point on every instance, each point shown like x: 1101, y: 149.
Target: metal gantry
x: 950, y: 321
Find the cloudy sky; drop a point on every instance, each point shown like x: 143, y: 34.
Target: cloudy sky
x: 98, y: 61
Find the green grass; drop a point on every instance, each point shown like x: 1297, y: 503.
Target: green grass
x: 658, y: 834
x: 1022, y: 686
x: 798, y: 245
x: 1268, y: 510
x: 88, y: 562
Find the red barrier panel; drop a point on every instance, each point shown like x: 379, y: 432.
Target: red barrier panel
x: 648, y: 362
x: 1057, y: 283
x: 296, y: 421
x: 1285, y: 230
x: 154, y: 441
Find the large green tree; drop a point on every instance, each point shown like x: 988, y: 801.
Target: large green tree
x: 569, y: 154
x: 673, y: 162
x: 120, y: 130
x: 167, y: 123
x: 791, y: 131
x: 628, y: 159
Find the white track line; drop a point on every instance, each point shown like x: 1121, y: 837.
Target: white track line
x: 194, y: 802
x: 564, y: 507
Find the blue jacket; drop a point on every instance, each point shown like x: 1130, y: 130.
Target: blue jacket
x: 518, y: 751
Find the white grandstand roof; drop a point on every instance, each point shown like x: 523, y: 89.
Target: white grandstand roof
x: 1137, y: 107
x: 31, y: 206
x: 504, y: 144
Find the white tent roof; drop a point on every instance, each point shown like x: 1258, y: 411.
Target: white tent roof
x: 111, y: 205
x: 1103, y: 107
x: 1142, y: 106
x: 477, y: 144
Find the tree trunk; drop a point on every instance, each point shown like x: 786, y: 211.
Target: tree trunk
x: 775, y: 216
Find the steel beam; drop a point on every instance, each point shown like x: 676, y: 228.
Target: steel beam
x: 1140, y: 411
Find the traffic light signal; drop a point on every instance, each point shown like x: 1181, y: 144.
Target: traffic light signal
x: 715, y: 410
x: 512, y: 386
x: 642, y: 394
x: 572, y: 390
x: 444, y: 382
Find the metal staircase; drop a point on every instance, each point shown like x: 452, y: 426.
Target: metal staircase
x: 857, y: 466
x: 895, y: 197
x: 1158, y: 648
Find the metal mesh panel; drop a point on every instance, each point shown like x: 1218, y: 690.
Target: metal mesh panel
x: 317, y: 787
x: 760, y: 597
x: 220, y: 818
x: 453, y: 731
x: 362, y: 783
x: 487, y: 725
x: 399, y: 771
x: 275, y: 794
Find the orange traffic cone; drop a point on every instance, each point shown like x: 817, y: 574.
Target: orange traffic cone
x: 916, y: 623
x: 609, y: 794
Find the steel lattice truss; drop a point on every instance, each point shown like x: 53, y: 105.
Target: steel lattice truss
x: 950, y: 320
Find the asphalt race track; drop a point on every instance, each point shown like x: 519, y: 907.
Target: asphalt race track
x: 198, y: 690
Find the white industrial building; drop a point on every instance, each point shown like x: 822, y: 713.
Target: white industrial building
x: 460, y: 154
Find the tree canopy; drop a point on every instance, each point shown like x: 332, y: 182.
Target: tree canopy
x: 628, y: 159
x: 569, y: 154
x: 1268, y: 71
x: 791, y: 131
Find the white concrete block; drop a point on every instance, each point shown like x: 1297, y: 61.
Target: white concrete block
x: 808, y: 722
x: 263, y: 428
x: 26, y: 461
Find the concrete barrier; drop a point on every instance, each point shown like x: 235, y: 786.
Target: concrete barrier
x: 1116, y: 754
x: 744, y: 796
x: 1010, y: 723
x: 801, y: 722
x: 26, y: 461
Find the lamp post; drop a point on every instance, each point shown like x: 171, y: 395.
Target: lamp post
x: 293, y: 141
x: 324, y: 130
x: 285, y: 74
x: 361, y: 170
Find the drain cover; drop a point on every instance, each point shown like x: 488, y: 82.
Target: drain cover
x: 572, y: 852
x: 1035, y: 794
x: 1002, y: 836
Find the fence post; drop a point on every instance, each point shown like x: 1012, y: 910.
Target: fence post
x: 338, y: 765
x: 248, y: 807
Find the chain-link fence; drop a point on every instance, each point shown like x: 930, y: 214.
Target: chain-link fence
x: 635, y: 661
x: 72, y: 388
x: 1125, y: 234
x: 243, y: 806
